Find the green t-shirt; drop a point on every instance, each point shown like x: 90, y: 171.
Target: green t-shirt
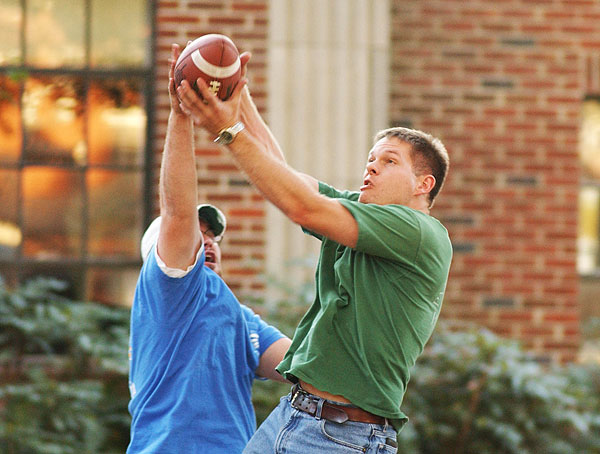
x: 375, y: 306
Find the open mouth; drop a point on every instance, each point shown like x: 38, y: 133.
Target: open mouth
x: 366, y: 185
x: 210, y: 257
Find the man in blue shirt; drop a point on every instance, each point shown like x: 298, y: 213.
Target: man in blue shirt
x: 194, y: 349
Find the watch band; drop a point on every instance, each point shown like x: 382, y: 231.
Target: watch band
x: 227, y: 135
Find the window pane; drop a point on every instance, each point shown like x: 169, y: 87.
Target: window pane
x: 111, y: 285
x: 117, y: 122
x: 589, y: 143
x: 53, y: 117
x: 10, y: 24
x: 55, y: 33
x: 120, y: 33
x: 115, y: 213
x: 589, y: 229
x: 52, y: 207
x: 10, y: 120
x: 10, y: 233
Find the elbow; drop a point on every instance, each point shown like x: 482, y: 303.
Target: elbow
x: 299, y: 214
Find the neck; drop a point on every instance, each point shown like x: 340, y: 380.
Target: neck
x: 420, y: 204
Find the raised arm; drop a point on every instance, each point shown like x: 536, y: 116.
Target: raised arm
x: 179, y: 238
x: 295, y: 194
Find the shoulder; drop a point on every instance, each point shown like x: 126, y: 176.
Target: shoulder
x: 331, y: 192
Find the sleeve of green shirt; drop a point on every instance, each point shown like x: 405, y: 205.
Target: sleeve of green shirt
x: 388, y: 231
x: 332, y: 193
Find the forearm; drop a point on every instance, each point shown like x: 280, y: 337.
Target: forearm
x: 179, y: 237
x: 257, y: 127
x: 295, y: 194
x: 177, y: 185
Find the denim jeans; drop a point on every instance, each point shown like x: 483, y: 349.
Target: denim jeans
x: 291, y: 431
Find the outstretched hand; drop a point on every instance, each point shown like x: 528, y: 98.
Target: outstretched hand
x: 208, y: 111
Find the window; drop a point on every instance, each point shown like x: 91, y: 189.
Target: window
x: 588, y: 259
x: 75, y: 82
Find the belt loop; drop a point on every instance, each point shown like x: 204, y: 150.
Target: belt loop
x: 385, y: 427
x: 319, y: 408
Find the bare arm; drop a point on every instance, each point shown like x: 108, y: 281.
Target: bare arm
x: 271, y: 358
x: 179, y: 238
x: 295, y: 194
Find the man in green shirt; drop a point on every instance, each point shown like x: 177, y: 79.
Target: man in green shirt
x: 380, y: 281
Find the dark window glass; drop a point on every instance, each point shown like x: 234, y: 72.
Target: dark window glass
x: 117, y: 122
x: 52, y: 213
x: 10, y: 232
x: 115, y: 214
x: 588, y: 257
x: 107, y: 285
x: 53, y: 118
x: 10, y: 120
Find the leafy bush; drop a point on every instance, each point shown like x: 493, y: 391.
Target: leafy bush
x: 476, y: 393
x: 63, y: 385
x: 63, y: 366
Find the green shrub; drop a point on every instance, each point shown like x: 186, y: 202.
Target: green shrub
x: 477, y: 393
x: 63, y: 385
x: 63, y: 373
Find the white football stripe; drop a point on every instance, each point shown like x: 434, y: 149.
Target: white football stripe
x: 219, y: 72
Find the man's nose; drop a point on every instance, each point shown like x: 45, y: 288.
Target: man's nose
x: 371, y: 167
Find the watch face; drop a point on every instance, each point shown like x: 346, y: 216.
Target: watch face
x: 227, y: 136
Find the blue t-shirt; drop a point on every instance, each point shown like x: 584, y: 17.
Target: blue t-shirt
x: 193, y: 354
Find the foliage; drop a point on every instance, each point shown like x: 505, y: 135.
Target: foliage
x: 63, y: 384
x: 476, y: 393
x: 63, y: 365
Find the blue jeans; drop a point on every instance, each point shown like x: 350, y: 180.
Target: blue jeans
x: 291, y: 431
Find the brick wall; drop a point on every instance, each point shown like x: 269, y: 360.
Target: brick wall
x: 502, y: 84
x: 219, y: 181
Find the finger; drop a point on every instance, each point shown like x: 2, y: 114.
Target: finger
x: 189, y: 97
x: 207, y: 97
x: 184, y: 109
x: 175, y: 52
x: 244, y: 59
x: 237, y: 91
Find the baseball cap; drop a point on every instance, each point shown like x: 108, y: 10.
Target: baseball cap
x: 209, y: 213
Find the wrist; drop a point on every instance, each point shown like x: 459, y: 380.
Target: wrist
x: 228, y: 135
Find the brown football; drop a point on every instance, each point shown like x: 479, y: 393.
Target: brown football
x: 215, y: 59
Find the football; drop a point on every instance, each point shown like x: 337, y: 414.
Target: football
x: 215, y: 59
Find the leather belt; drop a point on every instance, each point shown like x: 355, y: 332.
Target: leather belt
x: 309, y: 403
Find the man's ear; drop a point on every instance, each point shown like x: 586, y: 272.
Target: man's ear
x: 426, y: 184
